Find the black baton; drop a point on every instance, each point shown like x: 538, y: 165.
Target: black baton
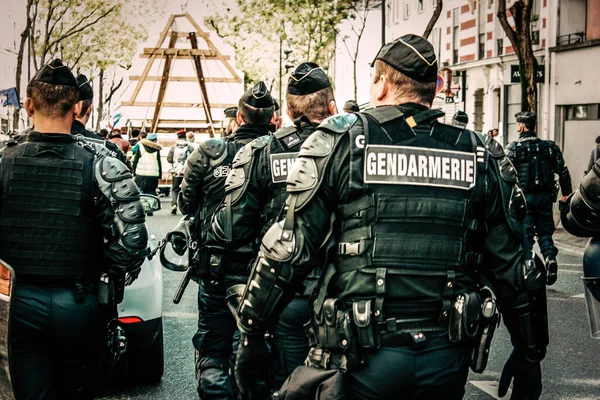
x: 182, y: 286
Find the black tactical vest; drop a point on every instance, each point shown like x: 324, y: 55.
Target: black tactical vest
x: 47, y: 212
x: 413, y: 224
x: 281, y: 154
x: 213, y: 187
x: 535, y: 161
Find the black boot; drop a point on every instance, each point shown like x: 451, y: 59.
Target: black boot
x: 552, y: 271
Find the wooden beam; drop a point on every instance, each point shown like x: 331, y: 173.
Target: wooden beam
x: 182, y: 79
x: 200, y: 75
x: 163, y: 84
x: 182, y: 53
x: 212, y: 46
x: 138, y: 87
x: 163, y: 34
x: 175, y: 104
x: 186, y: 121
x: 179, y: 52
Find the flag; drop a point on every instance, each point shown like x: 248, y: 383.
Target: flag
x: 8, y: 97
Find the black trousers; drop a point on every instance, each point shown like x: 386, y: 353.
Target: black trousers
x: 175, y: 189
x: 435, y: 369
x: 147, y: 184
x: 290, y: 343
x: 540, y: 221
x: 56, y: 343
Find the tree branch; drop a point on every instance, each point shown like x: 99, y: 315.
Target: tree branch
x: 502, y: 18
x: 76, y: 31
x: 439, y: 6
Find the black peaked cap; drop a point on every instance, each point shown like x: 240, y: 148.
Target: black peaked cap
x: 351, y: 105
x: 85, y: 89
x: 55, y: 73
x: 525, y: 116
x: 258, y: 96
x: 412, y: 55
x: 307, y: 78
x: 231, y: 112
x: 461, y: 116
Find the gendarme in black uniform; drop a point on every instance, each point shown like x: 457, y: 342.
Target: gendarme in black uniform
x: 255, y: 196
x: 87, y: 93
x: 422, y: 216
x: 536, y: 162
x: 68, y: 212
x: 202, y: 190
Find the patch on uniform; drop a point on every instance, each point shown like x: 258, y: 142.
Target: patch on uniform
x: 221, y: 171
x: 405, y: 165
x: 100, y: 142
x: 291, y: 140
x: 281, y: 165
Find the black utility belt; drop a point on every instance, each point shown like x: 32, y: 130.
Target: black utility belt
x: 472, y: 320
x: 339, y: 328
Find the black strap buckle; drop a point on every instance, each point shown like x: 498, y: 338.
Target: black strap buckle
x: 349, y: 248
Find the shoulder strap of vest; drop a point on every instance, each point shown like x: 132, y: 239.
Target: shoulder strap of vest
x: 285, y: 132
x: 213, y: 148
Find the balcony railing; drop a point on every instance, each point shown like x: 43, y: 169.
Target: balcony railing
x: 571, y: 38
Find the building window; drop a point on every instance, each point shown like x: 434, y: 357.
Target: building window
x: 500, y: 46
x: 479, y: 110
x: 436, y: 41
x: 455, y: 35
x: 420, y: 6
x: 407, y: 9
x: 582, y: 112
x: 535, y: 37
x: 481, y: 46
x: 434, y: 3
x: 397, y: 11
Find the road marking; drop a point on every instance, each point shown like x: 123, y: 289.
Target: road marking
x: 570, y: 271
x: 569, y: 249
x: 570, y: 265
x: 177, y: 314
x: 579, y: 296
x: 491, y: 388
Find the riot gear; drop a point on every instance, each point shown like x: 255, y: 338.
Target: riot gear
x: 537, y: 161
x: 580, y: 215
x: 409, y: 188
x: 216, y: 267
x: 591, y: 280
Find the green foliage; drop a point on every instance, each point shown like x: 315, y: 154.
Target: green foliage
x: 92, y: 34
x: 254, y: 28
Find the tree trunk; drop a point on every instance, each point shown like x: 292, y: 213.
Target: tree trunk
x: 19, y: 72
x: 439, y: 6
x: 100, y: 99
x: 520, y: 38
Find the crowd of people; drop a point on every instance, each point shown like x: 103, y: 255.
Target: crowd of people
x: 359, y: 254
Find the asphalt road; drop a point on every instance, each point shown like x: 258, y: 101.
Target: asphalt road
x: 571, y: 370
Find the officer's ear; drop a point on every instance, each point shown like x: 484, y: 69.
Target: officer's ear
x: 77, y: 109
x: 239, y: 118
x: 384, y: 88
x: 273, y: 119
x: 29, y: 107
x: 332, y: 108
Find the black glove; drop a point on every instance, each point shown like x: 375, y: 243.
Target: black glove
x: 252, y: 365
x: 527, y: 376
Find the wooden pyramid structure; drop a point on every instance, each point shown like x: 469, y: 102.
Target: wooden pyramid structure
x: 167, y: 57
